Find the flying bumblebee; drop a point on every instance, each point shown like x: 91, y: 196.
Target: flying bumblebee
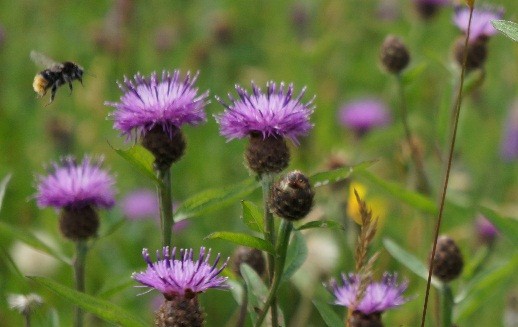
x: 54, y: 75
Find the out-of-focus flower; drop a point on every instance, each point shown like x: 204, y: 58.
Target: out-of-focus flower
x: 378, y: 296
x: 377, y: 205
x: 394, y: 54
x: 486, y: 231
x: 24, y: 304
x: 140, y: 204
x: 509, y: 146
x: 182, y: 277
x: 363, y: 115
x: 428, y: 8
x: 481, y: 27
x: 78, y: 189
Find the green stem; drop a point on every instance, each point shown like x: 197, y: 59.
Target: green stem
x: 422, y: 181
x: 269, y: 234
x: 79, y: 274
x: 280, y: 256
x: 27, y: 319
x: 166, y: 205
x: 447, y: 305
x: 458, y: 102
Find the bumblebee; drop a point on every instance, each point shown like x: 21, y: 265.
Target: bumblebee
x: 54, y: 75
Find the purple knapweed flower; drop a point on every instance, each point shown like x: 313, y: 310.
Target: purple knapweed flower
x: 486, y: 231
x: 378, y: 296
x: 141, y: 204
x: 274, y: 113
x: 74, y: 185
x: 480, y: 23
x: 363, y: 115
x: 509, y: 145
x: 183, y: 276
x: 149, y: 102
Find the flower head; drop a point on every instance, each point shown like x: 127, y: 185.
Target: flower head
x: 274, y: 113
x: 364, y: 114
x: 486, y: 231
x: 378, y: 296
x: 480, y: 23
x: 149, y: 102
x: 183, y: 276
x: 141, y: 204
x: 76, y: 185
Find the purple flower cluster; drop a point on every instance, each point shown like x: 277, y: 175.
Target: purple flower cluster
x: 149, y: 102
x: 178, y: 277
x: 75, y: 185
x: 364, y: 114
x: 480, y: 23
x: 274, y: 113
x: 378, y: 296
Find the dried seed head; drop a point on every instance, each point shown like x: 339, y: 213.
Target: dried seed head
x: 79, y: 223
x: 394, y: 54
x: 291, y: 197
x: 166, y: 150
x: 477, y: 52
x: 180, y: 312
x: 359, y: 319
x: 252, y: 257
x: 267, y: 154
x: 448, y: 261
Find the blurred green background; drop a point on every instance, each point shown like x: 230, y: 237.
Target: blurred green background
x: 332, y: 47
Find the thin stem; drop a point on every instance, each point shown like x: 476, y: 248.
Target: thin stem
x: 269, y: 235
x: 447, y: 305
x: 422, y: 181
x: 243, y: 308
x: 27, y: 319
x: 79, y: 274
x: 166, y: 205
x: 280, y: 251
x: 458, y: 102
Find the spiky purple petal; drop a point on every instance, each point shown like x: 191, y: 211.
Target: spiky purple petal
x: 480, y: 22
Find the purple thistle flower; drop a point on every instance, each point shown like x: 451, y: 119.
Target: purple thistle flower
x: 274, y: 113
x: 378, y: 296
x: 480, y: 23
x: 73, y: 185
x: 181, y: 277
x: 149, y: 102
x: 364, y: 114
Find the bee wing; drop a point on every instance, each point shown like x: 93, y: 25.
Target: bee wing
x: 42, y: 60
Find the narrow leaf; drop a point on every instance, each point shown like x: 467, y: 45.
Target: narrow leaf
x: 101, y: 308
x: 510, y: 29
x: 295, y: 256
x: 257, y: 290
x: 321, y: 224
x: 141, y: 159
x: 243, y: 239
x: 336, y: 175
x: 409, y: 260
x: 252, y: 216
x: 3, y: 187
x: 411, y: 74
x: 31, y: 240
x: 507, y: 226
x: 330, y: 317
x: 213, y: 199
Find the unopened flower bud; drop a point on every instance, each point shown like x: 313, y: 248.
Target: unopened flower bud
x: 477, y: 52
x: 267, y: 154
x: 291, y: 197
x: 165, y: 149
x: 180, y: 312
x: 252, y: 257
x: 448, y: 261
x: 394, y: 54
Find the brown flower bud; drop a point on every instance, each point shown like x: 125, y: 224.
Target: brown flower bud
x: 291, y: 197
x: 165, y: 149
x: 448, y: 261
x: 394, y: 54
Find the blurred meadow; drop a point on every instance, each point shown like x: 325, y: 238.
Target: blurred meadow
x: 332, y: 48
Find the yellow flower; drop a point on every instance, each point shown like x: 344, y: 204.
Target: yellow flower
x: 377, y: 205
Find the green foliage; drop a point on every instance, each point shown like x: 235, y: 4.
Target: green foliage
x: 510, y: 29
x: 243, y: 239
x: 330, y: 317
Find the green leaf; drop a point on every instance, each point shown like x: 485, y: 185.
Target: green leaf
x: 411, y: 74
x: 3, y: 187
x: 31, y: 240
x: 410, y: 261
x: 330, y: 317
x: 507, y: 226
x: 141, y: 159
x: 115, y: 289
x: 101, y: 308
x: 243, y: 239
x: 480, y: 289
x: 510, y: 29
x: 321, y: 224
x: 236, y: 289
x: 295, y: 256
x: 257, y: 291
x: 336, y: 175
x: 252, y: 216
x: 213, y: 199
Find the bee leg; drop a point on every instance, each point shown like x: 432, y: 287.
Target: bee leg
x: 53, y: 93
x: 80, y: 81
x: 70, y: 86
